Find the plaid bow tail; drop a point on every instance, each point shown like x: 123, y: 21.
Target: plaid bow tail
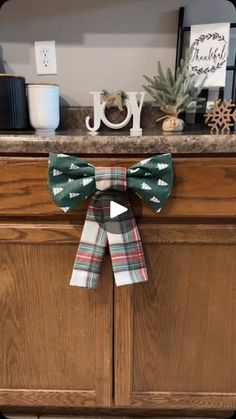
x: 124, y: 242
x: 71, y: 180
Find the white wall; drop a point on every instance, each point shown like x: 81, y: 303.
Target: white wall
x: 100, y: 43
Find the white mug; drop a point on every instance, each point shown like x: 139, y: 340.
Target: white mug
x: 43, y: 100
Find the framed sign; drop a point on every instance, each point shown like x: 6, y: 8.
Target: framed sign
x: 210, y: 44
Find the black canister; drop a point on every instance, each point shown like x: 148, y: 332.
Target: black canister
x: 13, y: 105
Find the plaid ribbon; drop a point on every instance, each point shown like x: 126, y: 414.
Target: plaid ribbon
x: 71, y: 180
x: 125, y: 245
x: 110, y: 178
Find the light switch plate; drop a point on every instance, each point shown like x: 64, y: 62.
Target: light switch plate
x: 45, y: 57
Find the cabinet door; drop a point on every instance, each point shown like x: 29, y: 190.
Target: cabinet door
x: 56, y: 340
x: 175, y: 336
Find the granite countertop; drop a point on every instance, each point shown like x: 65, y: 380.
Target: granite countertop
x: 80, y: 142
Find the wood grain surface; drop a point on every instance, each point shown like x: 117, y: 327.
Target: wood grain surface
x: 203, y: 187
x: 130, y: 412
x: 176, y: 335
x: 70, y: 233
x: 56, y: 343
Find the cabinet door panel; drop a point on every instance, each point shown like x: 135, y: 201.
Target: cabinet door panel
x: 55, y: 339
x: 176, y: 337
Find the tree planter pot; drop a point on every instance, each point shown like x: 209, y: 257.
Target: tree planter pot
x: 172, y: 123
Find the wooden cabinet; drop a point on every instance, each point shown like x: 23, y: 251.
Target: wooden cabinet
x: 176, y: 335
x: 168, y: 344
x: 56, y: 341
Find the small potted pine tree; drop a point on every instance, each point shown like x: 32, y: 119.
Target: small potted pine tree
x: 174, y: 94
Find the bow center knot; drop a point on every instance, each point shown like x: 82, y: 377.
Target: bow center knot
x: 110, y: 178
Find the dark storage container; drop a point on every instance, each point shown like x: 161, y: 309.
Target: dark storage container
x: 13, y: 106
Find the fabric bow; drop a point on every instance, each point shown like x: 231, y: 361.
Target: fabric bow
x: 72, y: 180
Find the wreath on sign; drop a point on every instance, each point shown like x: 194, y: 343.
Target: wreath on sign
x: 214, y: 36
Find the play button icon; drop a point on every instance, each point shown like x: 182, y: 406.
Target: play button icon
x: 116, y: 209
x: 113, y: 210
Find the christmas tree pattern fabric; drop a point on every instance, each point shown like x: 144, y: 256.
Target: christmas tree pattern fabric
x: 72, y: 180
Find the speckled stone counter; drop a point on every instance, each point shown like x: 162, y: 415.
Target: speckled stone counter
x: 80, y: 142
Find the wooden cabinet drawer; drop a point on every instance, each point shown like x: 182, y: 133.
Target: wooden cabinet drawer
x: 203, y: 187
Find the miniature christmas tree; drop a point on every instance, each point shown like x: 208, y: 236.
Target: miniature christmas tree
x: 172, y: 94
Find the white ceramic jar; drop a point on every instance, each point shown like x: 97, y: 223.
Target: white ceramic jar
x: 43, y: 100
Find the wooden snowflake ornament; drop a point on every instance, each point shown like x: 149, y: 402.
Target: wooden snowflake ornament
x: 221, y: 116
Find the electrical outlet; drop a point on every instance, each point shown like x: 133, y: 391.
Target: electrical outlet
x: 45, y: 57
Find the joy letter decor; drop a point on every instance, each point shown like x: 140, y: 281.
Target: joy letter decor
x: 71, y: 180
x: 133, y: 110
